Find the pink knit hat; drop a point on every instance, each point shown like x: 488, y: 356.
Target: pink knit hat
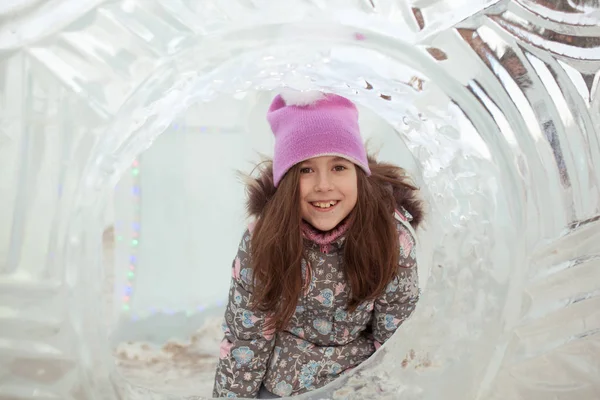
x: 313, y: 124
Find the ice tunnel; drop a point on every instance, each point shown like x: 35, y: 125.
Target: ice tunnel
x: 122, y: 124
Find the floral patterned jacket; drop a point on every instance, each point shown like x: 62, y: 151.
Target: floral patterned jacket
x: 323, y: 340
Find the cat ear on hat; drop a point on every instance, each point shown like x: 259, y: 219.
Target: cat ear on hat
x: 277, y: 103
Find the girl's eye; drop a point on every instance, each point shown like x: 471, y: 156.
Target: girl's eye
x: 339, y: 168
x: 304, y: 170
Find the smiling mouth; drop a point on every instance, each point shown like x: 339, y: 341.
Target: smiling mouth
x: 324, y: 205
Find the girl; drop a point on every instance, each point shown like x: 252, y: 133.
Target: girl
x: 327, y: 272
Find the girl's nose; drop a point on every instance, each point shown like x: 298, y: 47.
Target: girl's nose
x: 323, y: 183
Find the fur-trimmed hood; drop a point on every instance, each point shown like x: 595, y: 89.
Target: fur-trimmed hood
x: 261, y: 189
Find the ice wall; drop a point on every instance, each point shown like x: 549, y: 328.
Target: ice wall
x: 498, y: 102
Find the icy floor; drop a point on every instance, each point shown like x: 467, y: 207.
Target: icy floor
x: 179, y: 367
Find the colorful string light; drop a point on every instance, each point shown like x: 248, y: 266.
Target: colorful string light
x: 134, y: 241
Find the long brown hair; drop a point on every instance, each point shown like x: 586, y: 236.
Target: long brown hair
x: 371, y: 249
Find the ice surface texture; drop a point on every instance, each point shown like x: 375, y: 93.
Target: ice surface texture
x: 498, y: 101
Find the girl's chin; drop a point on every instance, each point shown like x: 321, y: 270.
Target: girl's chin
x: 323, y: 226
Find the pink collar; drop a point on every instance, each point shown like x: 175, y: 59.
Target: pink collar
x: 325, y: 239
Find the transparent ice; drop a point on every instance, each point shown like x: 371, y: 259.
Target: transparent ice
x: 497, y: 102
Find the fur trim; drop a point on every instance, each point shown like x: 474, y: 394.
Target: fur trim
x: 261, y: 189
x: 301, y: 99
x: 406, y: 194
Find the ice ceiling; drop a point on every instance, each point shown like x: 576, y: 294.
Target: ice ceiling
x: 498, y: 102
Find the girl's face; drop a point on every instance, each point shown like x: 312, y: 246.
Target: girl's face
x: 328, y: 191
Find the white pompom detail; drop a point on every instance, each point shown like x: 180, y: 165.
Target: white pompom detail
x: 298, y: 98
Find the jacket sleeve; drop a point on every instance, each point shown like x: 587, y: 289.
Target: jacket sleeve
x: 246, y: 346
x: 402, y: 294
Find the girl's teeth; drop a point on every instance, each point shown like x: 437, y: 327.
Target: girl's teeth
x: 325, y: 205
